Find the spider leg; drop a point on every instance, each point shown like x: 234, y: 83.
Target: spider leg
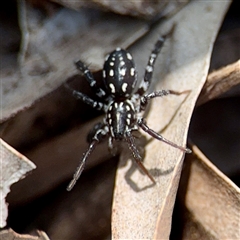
x: 94, y: 104
x: 136, y: 155
x: 88, y: 75
x: 100, y: 134
x: 142, y: 124
x: 81, y: 165
x: 145, y: 99
x: 144, y: 85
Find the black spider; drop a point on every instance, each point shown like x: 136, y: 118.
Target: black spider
x: 121, y: 103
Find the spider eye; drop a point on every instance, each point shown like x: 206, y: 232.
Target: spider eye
x: 119, y: 74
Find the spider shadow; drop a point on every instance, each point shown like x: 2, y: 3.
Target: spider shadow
x: 155, y: 172
x: 134, y: 185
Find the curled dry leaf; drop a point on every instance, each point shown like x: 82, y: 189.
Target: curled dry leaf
x: 142, y: 211
x: 11, y: 235
x: 141, y: 8
x: 14, y: 167
x: 212, y: 200
x: 219, y: 82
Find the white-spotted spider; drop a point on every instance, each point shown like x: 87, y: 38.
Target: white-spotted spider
x: 121, y: 104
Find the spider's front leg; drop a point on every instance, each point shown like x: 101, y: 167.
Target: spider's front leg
x: 145, y: 99
x: 97, y: 134
x: 143, y: 125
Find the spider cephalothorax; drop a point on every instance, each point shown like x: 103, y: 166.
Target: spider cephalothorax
x: 121, y: 103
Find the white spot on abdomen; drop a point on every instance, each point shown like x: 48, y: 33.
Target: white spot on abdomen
x: 111, y: 72
x: 124, y: 87
x: 132, y: 71
x: 112, y: 87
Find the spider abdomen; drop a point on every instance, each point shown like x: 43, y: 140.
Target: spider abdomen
x: 119, y: 74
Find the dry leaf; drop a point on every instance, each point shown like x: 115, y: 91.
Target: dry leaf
x: 14, y: 167
x: 58, y: 165
x: 212, y: 200
x: 142, y: 211
x: 11, y: 235
x: 140, y: 8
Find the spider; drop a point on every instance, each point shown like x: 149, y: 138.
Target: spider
x: 122, y: 104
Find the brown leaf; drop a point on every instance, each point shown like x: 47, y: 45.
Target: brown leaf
x: 211, y: 199
x: 11, y: 235
x: 142, y: 211
x: 14, y: 167
x: 140, y: 8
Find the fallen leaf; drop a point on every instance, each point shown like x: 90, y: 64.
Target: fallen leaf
x: 140, y: 8
x: 140, y: 210
x: 211, y: 200
x: 58, y: 150
x: 14, y: 167
x: 9, y: 234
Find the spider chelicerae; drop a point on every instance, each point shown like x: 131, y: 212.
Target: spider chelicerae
x: 122, y: 104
